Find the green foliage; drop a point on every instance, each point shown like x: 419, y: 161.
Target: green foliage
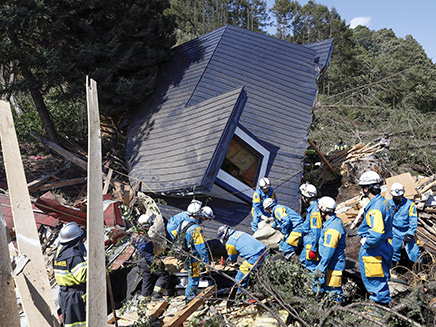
x: 50, y: 46
x: 195, y: 18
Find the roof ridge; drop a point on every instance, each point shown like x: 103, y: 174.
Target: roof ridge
x: 225, y: 27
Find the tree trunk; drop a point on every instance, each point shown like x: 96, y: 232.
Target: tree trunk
x: 47, y: 122
x: 36, y: 95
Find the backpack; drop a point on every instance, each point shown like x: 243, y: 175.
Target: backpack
x: 180, y: 244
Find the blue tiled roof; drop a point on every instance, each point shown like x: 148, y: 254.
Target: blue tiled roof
x: 279, y: 79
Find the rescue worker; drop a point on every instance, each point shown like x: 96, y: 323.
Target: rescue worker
x: 289, y: 222
x: 404, y: 225
x: 194, y: 209
x: 311, y: 227
x: 247, y: 247
x: 375, y: 254
x: 328, y: 272
x: 70, y: 271
x: 385, y: 142
x: 155, y: 278
x: 192, y: 236
x: 340, y: 145
x: 262, y: 192
x: 175, y: 221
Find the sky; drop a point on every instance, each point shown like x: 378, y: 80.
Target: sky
x: 417, y: 18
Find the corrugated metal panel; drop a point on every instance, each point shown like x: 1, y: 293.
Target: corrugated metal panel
x: 182, y: 149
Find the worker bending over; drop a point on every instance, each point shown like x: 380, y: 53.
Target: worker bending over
x: 70, y: 271
x: 328, y: 272
x: 262, y: 192
x: 375, y: 254
x: 404, y: 225
x: 311, y: 227
x: 194, y: 210
x: 290, y: 224
x: 191, y: 235
x: 247, y: 247
x: 155, y: 278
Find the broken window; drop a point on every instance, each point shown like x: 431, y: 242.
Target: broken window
x: 242, y: 162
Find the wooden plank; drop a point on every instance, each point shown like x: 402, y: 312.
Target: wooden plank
x: 59, y: 184
x: 404, y: 179
x: 323, y: 158
x: 190, y: 308
x: 64, y: 153
x: 96, y: 282
x: 32, y: 283
x: 107, y: 181
x: 8, y: 302
x: 158, y: 310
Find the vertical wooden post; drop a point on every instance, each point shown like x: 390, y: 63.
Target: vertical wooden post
x: 32, y: 283
x: 8, y: 301
x: 96, y: 311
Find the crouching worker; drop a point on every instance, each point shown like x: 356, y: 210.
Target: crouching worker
x: 289, y: 223
x: 155, y: 278
x: 247, y: 247
x: 70, y: 271
x: 328, y: 272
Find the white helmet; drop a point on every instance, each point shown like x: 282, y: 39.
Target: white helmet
x: 207, y: 213
x: 397, y: 189
x: 194, y: 209
x: 268, y: 203
x: 69, y: 232
x: 223, y: 232
x: 264, y: 183
x: 370, y: 178
x: 327, y: 204
x: 145, y: 220
x: 308, y: 190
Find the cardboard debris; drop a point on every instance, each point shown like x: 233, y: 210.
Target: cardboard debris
x: 407, y: 181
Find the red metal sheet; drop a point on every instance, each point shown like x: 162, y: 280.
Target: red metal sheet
x: 51, y: 206
x: 41, y: 218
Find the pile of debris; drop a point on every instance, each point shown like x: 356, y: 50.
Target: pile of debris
x: 358, y: 152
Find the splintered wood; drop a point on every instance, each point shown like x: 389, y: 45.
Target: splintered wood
x: 357, y: 152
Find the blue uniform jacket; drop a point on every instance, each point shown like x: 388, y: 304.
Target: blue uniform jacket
x: 332, y: 245
x: 244, y: 245
x: 145, y: 247
x: 258, y: 197
x: 287, y: 219
x: 196, y: 243
x: 312, y: 225
x: 405, y: 217
x: 175, y: 221
x: 377, y: 222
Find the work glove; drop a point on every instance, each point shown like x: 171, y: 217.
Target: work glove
x: 318, y: 274
x: 263, y: 217
x: 363, y: 240
x: 312, y: 255
x: 408, y: 238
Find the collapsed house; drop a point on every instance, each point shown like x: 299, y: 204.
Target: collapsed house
x: 230, y: 107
